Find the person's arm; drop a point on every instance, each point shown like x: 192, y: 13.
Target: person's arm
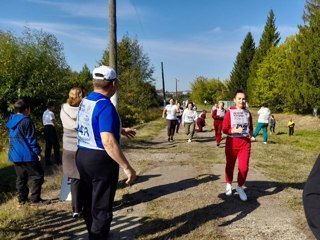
x: 128, y: 132
x: 164, y: 112
x: 113, y: 149
x: 31, y: 137
x: 251, y: 126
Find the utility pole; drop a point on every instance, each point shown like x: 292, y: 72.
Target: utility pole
x: 113, y: 43
x: 163, y: 88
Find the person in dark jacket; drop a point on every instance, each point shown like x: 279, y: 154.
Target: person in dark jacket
x: 311, y: 199
x: 24, y: 152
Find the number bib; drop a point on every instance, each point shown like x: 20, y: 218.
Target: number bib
x: 240, y: 118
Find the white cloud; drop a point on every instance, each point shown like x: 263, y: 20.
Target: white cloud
x: 93, y: 9
x: 215, y: 30
x: 78, y: 34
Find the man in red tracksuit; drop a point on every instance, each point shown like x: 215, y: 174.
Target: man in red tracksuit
x: 237, y: 124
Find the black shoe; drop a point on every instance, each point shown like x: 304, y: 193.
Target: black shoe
x: 168, y: 139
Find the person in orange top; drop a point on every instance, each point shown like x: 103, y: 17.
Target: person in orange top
x: 218, y: 116
x: 237, y: 124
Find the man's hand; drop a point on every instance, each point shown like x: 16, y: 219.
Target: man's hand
x: 39, y: 157
x: 128, y: 132
x: 131, y: 174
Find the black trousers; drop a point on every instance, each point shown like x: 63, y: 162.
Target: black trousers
x: 291, y: 131
x: 311, y: 199
x: 99, y: 176
x: 76, y: 201
x: 29, y: 171
x: 51, y: 137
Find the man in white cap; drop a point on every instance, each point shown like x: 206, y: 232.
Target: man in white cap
x: 99, y: 155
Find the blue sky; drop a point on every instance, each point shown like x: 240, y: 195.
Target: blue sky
x: 191, y: 37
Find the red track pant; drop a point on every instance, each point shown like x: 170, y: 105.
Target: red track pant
x: 237, y: 148
x: 218, y: 129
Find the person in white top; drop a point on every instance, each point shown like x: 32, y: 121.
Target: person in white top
x: 171, y: 110
x: 189, y: 118
x: 263, y: 120
x: 50, y: 135
x: 68, y: 116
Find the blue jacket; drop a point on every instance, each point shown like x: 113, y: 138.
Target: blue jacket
x: 23, y: 146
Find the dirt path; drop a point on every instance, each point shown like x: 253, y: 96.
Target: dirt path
x: 180, y: 195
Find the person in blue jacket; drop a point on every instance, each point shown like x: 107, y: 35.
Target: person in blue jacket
x: 24, y: 152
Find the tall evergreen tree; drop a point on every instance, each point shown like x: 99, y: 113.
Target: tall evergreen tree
x: 270, y: 37
x: 240, y: 72
x: 309, y: 65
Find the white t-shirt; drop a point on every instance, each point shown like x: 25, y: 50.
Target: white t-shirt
x: 171, y: 112
x: 264, y: 114
x: 48, y: 118
x: 189, y: 116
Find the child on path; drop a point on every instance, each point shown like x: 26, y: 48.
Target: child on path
x: 218, y: 115
x: 189, y: 118
x: 272, y: 124
x: 263, y: 120
x: 291, y: 127
x: 237, y: 124
x: 24, y: 152
x: 201, y: 121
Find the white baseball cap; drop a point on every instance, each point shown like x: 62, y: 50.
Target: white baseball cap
x: 104, y: 73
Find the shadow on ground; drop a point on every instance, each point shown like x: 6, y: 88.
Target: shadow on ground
x: 189, y: 221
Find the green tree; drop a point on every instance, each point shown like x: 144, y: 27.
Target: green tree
x: 82, y: 79
x: 270, y: 37
x: 309, y: 52
x: 33, y: 67
x: 136, y: 92
x: 211, y: 90
x: 240, y: 72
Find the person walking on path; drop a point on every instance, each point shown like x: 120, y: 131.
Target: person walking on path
x: 171, y: 110
x: 311, y: 196
x: 201, y: 121
x: 189, y: 118
x: 24, y: 152
x: 272, y: 124
x: 68, y: 116
x: 99, y: 154
x: 291, y: 127
x: 179, y: 117
x: 263, y: 120
x: 237, y: 124
x: 50, y: 135
x: 218, y: 116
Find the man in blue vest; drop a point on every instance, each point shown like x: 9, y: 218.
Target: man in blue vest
x: 99, y: 155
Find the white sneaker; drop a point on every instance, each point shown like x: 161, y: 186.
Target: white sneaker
x: 229, y: 189
x: 242, y: 194
x: 265, y: 142
x: 189, y: 140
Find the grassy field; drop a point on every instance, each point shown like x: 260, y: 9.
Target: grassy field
x: 287, y: 160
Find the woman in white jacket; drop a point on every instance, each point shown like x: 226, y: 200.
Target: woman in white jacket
x: 189, y: 118
x: 263, y: 120
x: 68, y: 116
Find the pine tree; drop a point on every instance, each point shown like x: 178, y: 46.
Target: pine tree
x: 270, y: 37
x: 309, y: 42
x: 240, y: 72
